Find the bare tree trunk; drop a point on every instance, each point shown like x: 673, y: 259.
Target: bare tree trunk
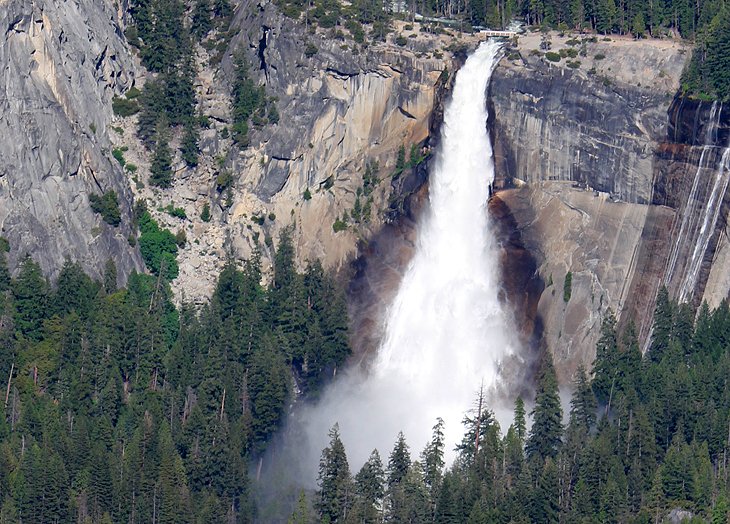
x: 223, y: 403
x: 479, y: 421
x: 10, y: 378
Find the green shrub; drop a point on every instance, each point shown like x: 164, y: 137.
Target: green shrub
x: 107, y: 205
x: 124, y: 107
x: 132, y: 93
x: 205, y: 214
x: 568, y: 286
x: 307, y: 194
x: 132, y: 36
x: 224, y: 180
x: 272, y: 216
x: 339, y: 225
x: 118, y: 154
x: 401, y: 40
x: 356, y: 30
x: 176, y: 212
x: 310, y: 50
x: 553, y: 56
x: 256, y: 219
x: 181, y: 238
x: 132, y: 168
x: 573, y: 64
x: 158, y: 247
x: 599, y: 56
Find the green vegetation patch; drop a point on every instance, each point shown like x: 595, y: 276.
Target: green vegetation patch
x: 107, y: 205
x: 158, y: 247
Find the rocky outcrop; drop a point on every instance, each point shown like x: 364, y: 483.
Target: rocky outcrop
x: 62, y: 62
x: 340, y: 108
x: 578, y: 146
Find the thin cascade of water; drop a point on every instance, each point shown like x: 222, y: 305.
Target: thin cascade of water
x: 709, y: 221
x: 688, y: 223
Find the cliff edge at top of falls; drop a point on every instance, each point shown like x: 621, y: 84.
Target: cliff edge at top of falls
x: 576, y: 142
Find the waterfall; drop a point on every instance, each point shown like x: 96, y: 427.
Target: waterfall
x: 699, y: 218
x: 446, y: 315
x: 446, y: 332
x: 687, y: 216
x: 709, y: 221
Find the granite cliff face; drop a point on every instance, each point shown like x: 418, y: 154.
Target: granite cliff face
x: 610, y: 179
x: 580, y: 145
x: 62, y: 63
x: 339, y: 109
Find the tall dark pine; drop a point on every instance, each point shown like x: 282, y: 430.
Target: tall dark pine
x: 161, y: 168
x: 30, y: 291
x: 546, y: 432
x: 605, y: 368
x: 398, y: 462
x: 370, y: 487
x: 583, y: 403
x: 189, y: 146
x: 663, y: 325
x: 335, y: 494
x: 202, y: 21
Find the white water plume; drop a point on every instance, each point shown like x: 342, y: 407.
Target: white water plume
x: 446, y: 332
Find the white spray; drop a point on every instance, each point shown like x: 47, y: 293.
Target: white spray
x: 446, y: 332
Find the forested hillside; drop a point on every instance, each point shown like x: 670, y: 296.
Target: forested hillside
x: 121, y: 407
x: 645, y: 436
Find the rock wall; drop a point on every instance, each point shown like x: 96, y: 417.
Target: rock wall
x: 340, y: 108
x: 692, y: 175
x: 62, y: 62
x: 578, y: 148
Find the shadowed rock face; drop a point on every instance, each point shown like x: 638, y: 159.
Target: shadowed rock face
x: 62, y: 62
x: 689, y: 178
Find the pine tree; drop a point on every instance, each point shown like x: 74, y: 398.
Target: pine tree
x: 335, y: 494
x: 202, y: 21
x: 546, y: 432
x: 161, y: 168
x: 152, y: 109
x: 30, y: 291
x: 370, y: 487
x: 519, y: 417
x: 398, y: 462
x: 606, y: 364
x: 663, y: 325
x: 4, y: 273
x: 302, y: 513
x: 110, y: 277
x: 433, y: 458
x: 189, y: 146
x: 583, y: 403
